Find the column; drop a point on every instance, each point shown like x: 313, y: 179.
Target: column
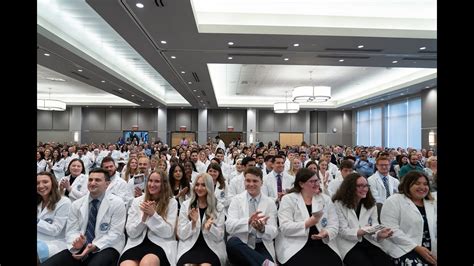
x: 75, y: 124
x: 202, y: 126
x: 162, y: 125
x: 251, y: 125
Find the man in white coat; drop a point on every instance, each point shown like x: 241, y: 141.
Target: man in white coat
x: 278, y: 181
x: 251, y: 224
x: 95, y: 227
x: 382, y: 185
x: 118, y: 186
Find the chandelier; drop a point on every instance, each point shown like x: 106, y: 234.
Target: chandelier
x: 286, y: 107
x: 311, y: 93
x: 50, y: 104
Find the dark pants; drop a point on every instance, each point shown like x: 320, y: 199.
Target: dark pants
x: 108, y: 256
x: 240, y: 253
x: 366, y: 254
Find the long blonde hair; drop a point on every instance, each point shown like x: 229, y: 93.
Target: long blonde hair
x: 211, y: 210
x: 164, y: 196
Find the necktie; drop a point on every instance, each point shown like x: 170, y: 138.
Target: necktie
x: 385, y: 183
x: 252, y: 210
x: 90, y: 230
x: 279, y: 189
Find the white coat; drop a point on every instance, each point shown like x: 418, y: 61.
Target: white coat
x: 236, y: 185
x: 377, y: 187
x: 238, y: 216
x: 160, y: 231
x: 349, y: 224
x: 270, y: 187
x: 214, y: 237
x: 292, y: 216
x: 58, y: 169
x: 222, y: 196
x: 401, y: 214
x: 51, y: 226
x: 120, y: 188
x: 78, y: 187
x: 110, y: 222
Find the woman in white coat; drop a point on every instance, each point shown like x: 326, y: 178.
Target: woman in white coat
x: 220, y: 186
x: 201, y: 226
x: 151, y: 225
x: 305, y: 236
x: 357, y: 213
x: 412, y: 215
x: 74, y: 184
x: 52, y: 214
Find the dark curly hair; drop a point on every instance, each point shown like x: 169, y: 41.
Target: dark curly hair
x: 346, y: 193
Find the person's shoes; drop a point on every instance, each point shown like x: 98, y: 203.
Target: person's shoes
x: 268, y: 262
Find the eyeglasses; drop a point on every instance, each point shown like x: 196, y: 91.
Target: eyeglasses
x: 363, y: 186
x: 314, y: 181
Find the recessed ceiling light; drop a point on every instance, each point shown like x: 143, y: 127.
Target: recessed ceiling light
x: 422, y: 48
x: 402, y: 93
x: 173, y: 57
x: 381, y: 99
x: 163, y: 42
x: 182, y: 72
x: 133, y: 95
x: 110, y: 106
x: 181, y: 107
x: 46, y: 54
x: 194, y: 90
x: 341, y: 60
x: 151, y: 104
x: 296, y: 44
x: 394, y: 61
x: 80, y: 70
x: 360, y: 46
x: 189, y: 82
x: 230, y: 43
x: 427, y: 87
x: 139, y: 5
x: 103, y: 81
x: 230, y: 57
x: 286, y: 59
x: 120, y: 89
x: 143, y: 100
x: 87, y: 105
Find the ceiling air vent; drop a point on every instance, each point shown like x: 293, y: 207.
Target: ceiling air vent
x: 260, y: 47
x: 195, y: 76
x: 255, y: 55
x: 117, y: 91
x: 420, y: 58
x: 79, y: 75
x: 203, y: 93
x: 344, y: 56
x: 159, y: 3
x: 353, y: 50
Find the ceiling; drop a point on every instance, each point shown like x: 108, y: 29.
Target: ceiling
x: 234, y: 54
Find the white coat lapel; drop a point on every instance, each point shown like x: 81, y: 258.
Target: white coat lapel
x: 430, y: 214
x: 302, y: 207
x: 104, y: 206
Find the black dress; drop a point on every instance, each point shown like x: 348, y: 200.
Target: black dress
x: 314, y: 251
x: 200, y: 252
x: 365, y: 253
x: 413, y: 258
x: 146, y: 247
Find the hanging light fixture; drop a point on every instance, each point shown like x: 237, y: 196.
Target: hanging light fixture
x: 286, y: 107
x: 311, y: 93
x: 50, y: 104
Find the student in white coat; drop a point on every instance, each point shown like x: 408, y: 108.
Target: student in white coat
x: 357, y: 213
x: 52, y: 213
x: 277, y: 182
x: 220, y: 187
x: 95, y: 227
x: 382, y: 185
x: 305, y: 236
x: 117, y: 185
x: 201, y: 226
x: 74, y: 184
x: 251, y: 224
x: 151, y: 225
x: 412, y: 215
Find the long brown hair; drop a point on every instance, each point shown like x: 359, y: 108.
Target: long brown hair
x: 54, y: 195
x: 163, y: 197
x: 346, y: 193
x: 409, y: 180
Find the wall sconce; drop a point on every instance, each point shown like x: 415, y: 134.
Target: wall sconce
x: 432, y: 138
